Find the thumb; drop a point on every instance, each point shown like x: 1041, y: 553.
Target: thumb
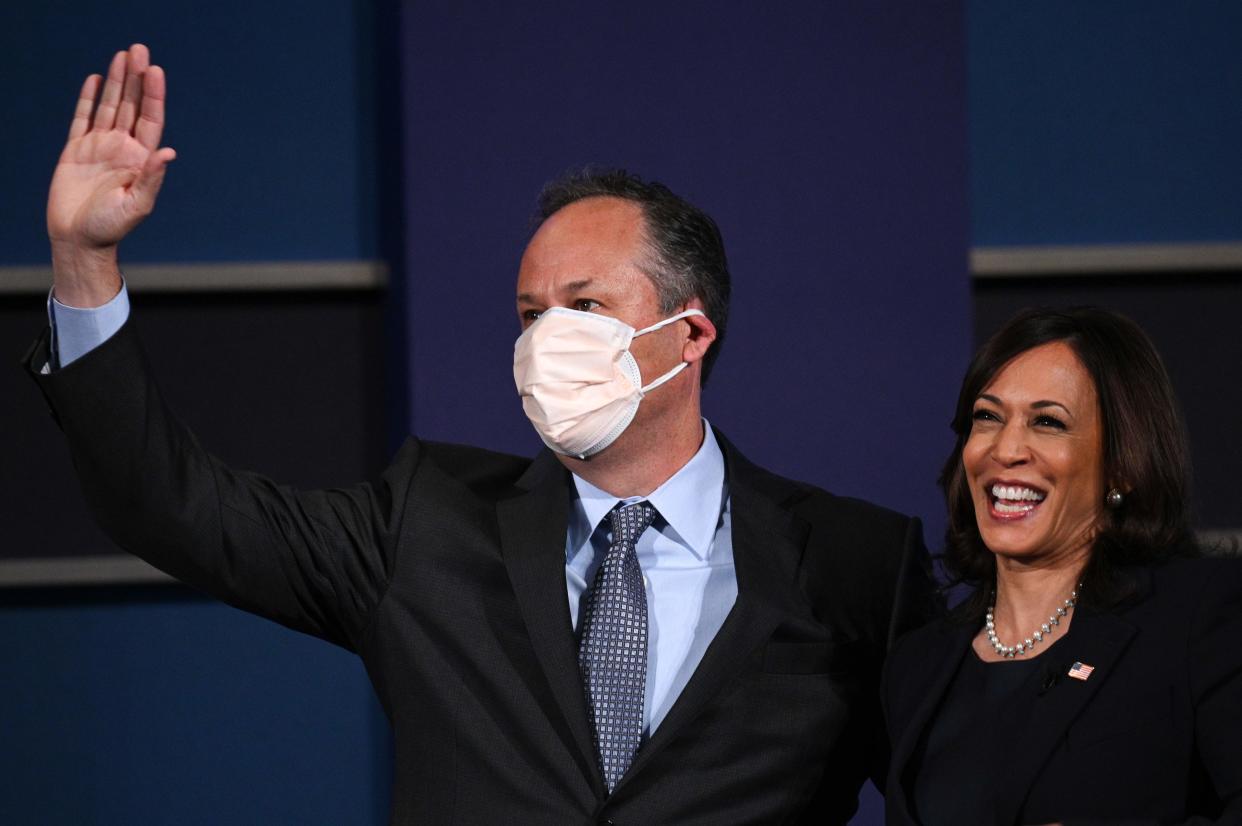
x: 147, y: 185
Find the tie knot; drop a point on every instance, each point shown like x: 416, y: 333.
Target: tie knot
x: 629, y: 521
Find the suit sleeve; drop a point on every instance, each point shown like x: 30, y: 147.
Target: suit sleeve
x: 883, y: 587
x: 317, y: 562
x: 916, y: 599
x: 916, y: 602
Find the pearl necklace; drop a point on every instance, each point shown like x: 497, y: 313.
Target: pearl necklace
x: 1024, y: 647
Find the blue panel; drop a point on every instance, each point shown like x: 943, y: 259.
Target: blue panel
x: 154, y: 706
x: 270, y: 110
x: 1105, y: 122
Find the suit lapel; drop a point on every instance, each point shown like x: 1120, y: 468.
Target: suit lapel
x: 768, y: 542
x: 939, y: 662
x: 532, y: 533
x: 1097, y: 640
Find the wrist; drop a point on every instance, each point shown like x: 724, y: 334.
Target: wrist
x: 84, y: 276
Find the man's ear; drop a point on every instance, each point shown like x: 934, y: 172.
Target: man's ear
x: 702, y: 333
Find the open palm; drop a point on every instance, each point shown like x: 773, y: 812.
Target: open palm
x: 111, y: 169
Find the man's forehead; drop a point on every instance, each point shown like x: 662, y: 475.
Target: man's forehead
x: 568, y: 287
x: 596, y: 243
x: 590, y: 227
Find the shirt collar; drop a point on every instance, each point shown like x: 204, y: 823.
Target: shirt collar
x: 680, y: 501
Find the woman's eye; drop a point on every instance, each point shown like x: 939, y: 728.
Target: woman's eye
x: 1049, y: 421
x: 530, y: 316
x: 585, y: 305
x: 984, y: 415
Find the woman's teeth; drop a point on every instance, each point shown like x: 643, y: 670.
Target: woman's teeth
x: 1015, y: 498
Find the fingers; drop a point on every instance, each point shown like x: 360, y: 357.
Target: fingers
x: 131, y: 92
x: 105, y: 115
x: 150, y: 124
x: 150, y: 179
x: 86, y: 102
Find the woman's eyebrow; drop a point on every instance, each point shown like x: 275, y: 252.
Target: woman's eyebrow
x: 1048, y: 403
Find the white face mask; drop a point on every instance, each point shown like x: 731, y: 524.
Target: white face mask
x: 579, y: 383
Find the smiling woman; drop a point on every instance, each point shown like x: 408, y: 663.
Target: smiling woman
x: 1075, y: 406
x: 1093, y: 674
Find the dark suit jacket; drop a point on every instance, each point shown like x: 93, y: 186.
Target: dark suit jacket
x: 1153, y: 735
x: 447, y: 576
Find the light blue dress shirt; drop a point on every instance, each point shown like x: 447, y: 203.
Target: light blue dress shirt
x: 687, y: 562
x: 686, y: 555
x: 75, y: 332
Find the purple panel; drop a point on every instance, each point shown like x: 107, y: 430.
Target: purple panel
x: 828, y: 140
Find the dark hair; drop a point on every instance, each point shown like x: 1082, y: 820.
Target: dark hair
x: 687, y: 257
x: 1144, y: 451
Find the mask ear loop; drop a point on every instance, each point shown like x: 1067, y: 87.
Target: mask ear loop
x: 658, y: 325
x: 664, y: 378
x: 670, y: 320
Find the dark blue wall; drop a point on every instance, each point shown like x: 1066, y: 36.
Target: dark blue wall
x: 827, y: 139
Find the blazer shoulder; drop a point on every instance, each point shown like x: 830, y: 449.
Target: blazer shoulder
x: 487, y: 473
x: 849, y: 509
x: 1212, y: 584
x: 849, y: 539
x: 814, y: 503
x: 1195, y: 573
x: 844, y: 522
x: 1174, y: 584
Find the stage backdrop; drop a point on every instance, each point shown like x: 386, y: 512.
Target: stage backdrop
x: 827, y: 139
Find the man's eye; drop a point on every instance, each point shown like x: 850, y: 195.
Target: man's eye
x: 585, y: 305
x: 530, y: 316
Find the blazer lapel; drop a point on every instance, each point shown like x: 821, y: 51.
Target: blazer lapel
x: 939, y: 662
x: 532, y: 535
x: 1095, y: 639
x: 768, y: 542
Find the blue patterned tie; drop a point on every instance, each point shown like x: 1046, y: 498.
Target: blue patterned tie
x: 613, y: 653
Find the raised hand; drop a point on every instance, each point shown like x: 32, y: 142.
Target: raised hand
x: 108, y: 176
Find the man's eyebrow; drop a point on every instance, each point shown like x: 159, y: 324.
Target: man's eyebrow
x: 571, y: 287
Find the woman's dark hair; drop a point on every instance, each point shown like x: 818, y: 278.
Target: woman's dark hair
x: 1144, y: 451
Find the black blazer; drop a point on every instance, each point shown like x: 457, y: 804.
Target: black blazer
x: 1153, y: 735
x: 447, y: 576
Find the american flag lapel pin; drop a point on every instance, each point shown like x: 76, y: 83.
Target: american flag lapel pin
x: 1081, y: 671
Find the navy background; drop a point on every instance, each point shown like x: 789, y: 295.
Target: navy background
x: 1105, y: 122
x: 826, y: 139
x: 829, y: 140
